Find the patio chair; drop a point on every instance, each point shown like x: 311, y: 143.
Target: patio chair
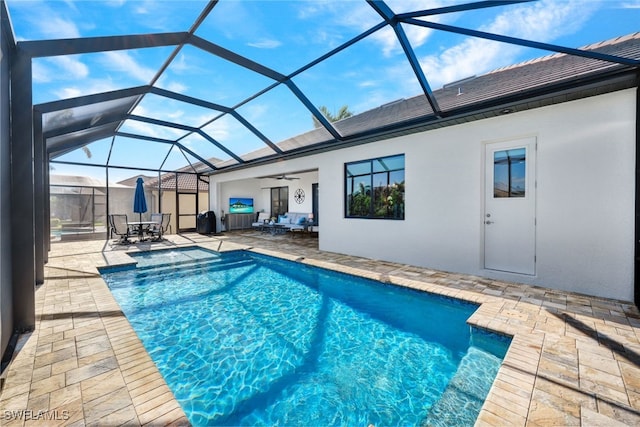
x: 158, y: 230
x: 119, y: 226
x: 154, y: 229
x: 262, y: 218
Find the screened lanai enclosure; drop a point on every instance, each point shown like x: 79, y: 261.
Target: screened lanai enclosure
x: 79, y: 205
x: 224, y: 85
x: 178, y: 92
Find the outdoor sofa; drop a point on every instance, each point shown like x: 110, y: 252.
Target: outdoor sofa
x: 290, y: 221
x: 294, y: 220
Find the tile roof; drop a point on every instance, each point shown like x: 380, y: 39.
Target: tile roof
x: 187, y: 182
x: 187, y: 179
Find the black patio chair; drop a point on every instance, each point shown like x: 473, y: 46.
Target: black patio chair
x: 119, y: 226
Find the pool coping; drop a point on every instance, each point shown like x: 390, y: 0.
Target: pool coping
x: 531, y: 320
x: 573, y: 360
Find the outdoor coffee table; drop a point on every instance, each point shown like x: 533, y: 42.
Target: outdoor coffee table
x: 274, y: 228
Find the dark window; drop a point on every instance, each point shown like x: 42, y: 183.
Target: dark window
x: 375, y: 188
x: 509, y: 173
x: 279, y: 201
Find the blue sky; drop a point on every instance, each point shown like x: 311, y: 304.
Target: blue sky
x: 283, y: 35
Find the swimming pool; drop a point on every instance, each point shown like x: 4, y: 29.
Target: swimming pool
x: 246, y: 339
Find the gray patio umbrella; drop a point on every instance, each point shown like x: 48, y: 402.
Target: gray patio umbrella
x: 139, y: 200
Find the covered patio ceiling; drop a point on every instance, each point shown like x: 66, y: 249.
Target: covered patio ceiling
x: 249, y: 106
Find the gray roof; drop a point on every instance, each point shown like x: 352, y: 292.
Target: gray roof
x: 542, y: 81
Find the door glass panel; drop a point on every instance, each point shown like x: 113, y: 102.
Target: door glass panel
x: 509, y: 173
x: 279, y: 201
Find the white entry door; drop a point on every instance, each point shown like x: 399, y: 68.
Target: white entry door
x: 509, y: 217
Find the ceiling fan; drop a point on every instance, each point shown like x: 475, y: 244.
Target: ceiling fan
x: 284, y: 176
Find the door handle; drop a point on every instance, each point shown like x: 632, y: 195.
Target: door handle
x: 488, y: 222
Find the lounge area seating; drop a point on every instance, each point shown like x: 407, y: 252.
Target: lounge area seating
x: 260, y: 221
x: 289, y: 222
x: 293, y: 221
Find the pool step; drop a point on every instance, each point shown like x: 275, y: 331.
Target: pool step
x: 178, y: 270
x: 462, y: 400
x: 190, y: 261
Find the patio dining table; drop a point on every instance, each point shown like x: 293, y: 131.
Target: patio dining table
x: 140, y: 226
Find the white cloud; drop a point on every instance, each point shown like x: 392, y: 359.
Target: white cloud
x: 471, y: 57
x: 265, y: 44
x: 69, y: 92
x: 168, y: 114
x: 115, y: 3
x: 631, y: 4
x: 174, y: 115
x: 143, y: 7
x: 56, y: 27
x: 59, y: 68
x: 40, y: 73
x: 174, y: 86
x: 123, y: 62
x: 180, y: 63
x: 368, y: 83
x: 72, y: 67
x: 86, y: 88
x: 543, y: 21
x: 220, y: 129
x: 177, y: 87
x: 155, y: 131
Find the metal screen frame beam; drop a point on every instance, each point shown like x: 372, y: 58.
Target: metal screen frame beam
x: 216, y: 107
x: 387, y: 14
x: 59, y: 47
x: 523, y: 42
x: 188, y: 129
x: 23, y: 240
x: 460, y: 8
x: 166, y: 141
x: 96, y: 98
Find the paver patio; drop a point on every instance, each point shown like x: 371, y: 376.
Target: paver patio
x: 574, y: 360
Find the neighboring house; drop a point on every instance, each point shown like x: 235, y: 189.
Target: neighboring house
x: 78, y: 205
x: 532, y: 181
x: 191, y: 197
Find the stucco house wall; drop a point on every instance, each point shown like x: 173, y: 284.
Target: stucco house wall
x: 585, y: 195
x: 260, y: 190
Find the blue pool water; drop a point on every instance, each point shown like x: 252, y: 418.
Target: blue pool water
x: 245, y: 339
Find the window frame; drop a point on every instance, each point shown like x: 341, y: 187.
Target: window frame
x: 348, y: 192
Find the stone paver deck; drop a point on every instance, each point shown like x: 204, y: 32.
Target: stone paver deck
x: 574, y: 360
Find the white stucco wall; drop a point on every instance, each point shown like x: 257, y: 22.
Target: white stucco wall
x: 584, y: 202
x: 243, y: 184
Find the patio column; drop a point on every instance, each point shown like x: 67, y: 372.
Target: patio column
x: 22, y: 194
x: 39, y: 197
